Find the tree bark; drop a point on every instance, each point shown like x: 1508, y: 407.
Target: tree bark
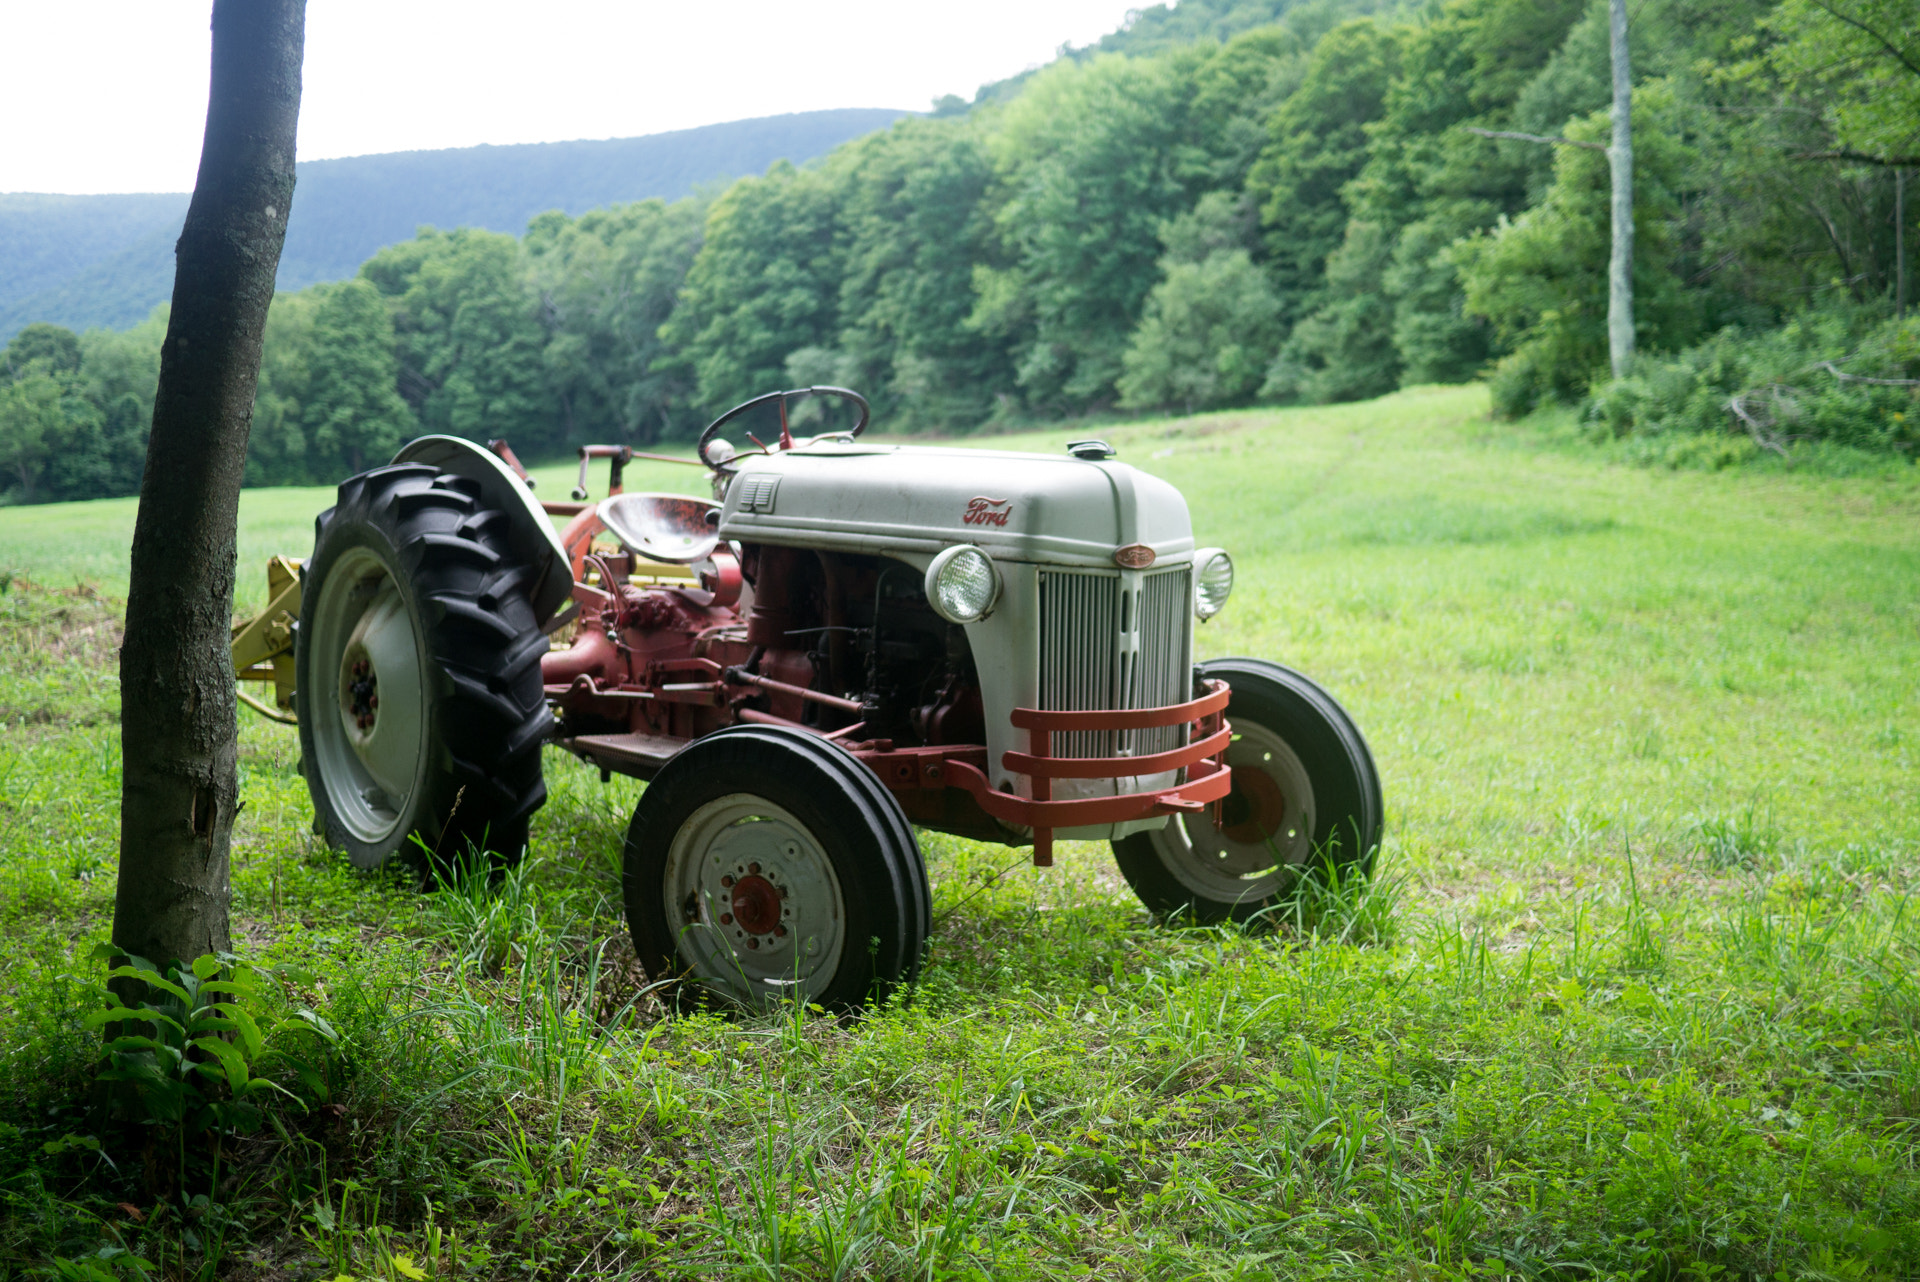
x: 1620, y: 267
x: 179, y: 784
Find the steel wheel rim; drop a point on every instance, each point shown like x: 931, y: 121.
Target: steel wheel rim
x: 1213, y: 864
x: 368, y: 701
x: 721, y: 866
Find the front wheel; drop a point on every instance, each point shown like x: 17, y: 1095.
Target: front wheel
x: 1305, y: 796
x: 766, y: 864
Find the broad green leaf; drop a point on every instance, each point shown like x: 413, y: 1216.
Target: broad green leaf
x: 320, y: 1026
x: 231, y: 1059
x: 113, y: 1014
x: 126, y: 1014
x: 261, y: 1085
x: 305, y: 1021
x: 151, y: 978
x: 244, y: 1024
x: 206, y: 967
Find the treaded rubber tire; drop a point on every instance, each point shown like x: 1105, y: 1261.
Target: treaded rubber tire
x: 478, y: 777
x: 1348, y: 815
x: 854, y: 820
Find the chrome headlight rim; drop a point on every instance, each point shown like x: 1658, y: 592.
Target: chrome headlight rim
x: 1211, y: 598
x: 945, y: 563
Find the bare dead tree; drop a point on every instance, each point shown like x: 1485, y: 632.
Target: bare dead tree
x: 1764, y: 411
x: 1900, y: 242
x: 1620, y: 154
x: 1517, y: 136
x: 179, y: 786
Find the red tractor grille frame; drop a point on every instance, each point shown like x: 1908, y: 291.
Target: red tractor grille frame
x: 1204, y: 758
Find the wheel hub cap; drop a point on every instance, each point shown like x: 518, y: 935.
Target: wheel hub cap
x: 363, y: 692
x: 756, y: 904
x: 1253, y: 810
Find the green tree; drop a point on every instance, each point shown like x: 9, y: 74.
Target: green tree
x: 765, y: 283
x: 32, y: 423
x: 1343, y: 350
x: 1317, y: 143
x: 54, y: 348
x: 915, y: 223
x: 1235, y: 92
x: 468, y: 340
x: 119, y: 373
x: 277, y: 446
x: 1396, y: 314
x: 1209, y: 331
x: 1212, y: 323
x: 1541, y: 279
x: 352, y: 417
x: 1857, y: 64
x: 606, y: 283
x: 1085, y: 173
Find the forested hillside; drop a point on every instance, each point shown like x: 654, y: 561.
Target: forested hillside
x: 106, y: 260
x: 1309, y: 210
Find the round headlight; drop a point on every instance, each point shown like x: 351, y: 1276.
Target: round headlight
x: 1212, y: 581
x: 962, y: 584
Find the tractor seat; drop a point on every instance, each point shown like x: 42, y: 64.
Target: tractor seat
x: 672, y: 528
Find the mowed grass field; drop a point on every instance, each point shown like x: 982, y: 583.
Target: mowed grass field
x: 1633, y: 993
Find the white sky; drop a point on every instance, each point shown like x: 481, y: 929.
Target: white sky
x: 111, y: 95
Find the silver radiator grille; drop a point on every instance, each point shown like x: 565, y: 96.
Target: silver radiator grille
x: 1104, y: 645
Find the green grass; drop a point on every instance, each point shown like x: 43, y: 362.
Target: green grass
x: 1633, y: 994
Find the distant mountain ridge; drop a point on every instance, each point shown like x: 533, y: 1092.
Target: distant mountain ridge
x: 83, y: 261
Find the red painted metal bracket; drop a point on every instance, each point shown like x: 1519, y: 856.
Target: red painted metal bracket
x: 1208, y: 777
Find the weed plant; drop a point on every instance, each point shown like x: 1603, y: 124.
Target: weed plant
x: 1630, y: 995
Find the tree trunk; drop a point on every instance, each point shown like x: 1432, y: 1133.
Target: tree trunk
x: 1620, y: 268
x: 1900, y: 242
x: 179, y: 784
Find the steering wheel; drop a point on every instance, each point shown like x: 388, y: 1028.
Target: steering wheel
x: 786, y: 438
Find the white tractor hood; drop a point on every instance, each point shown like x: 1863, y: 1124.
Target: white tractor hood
x: 907, y: 499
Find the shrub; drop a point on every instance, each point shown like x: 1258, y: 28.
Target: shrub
x: 1832, y: 377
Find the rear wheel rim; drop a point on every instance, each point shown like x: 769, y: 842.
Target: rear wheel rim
x: 368, y: 703
x: 1266, y: 832
x: 754, y: 900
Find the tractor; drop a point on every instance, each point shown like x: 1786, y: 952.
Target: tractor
x: 852, y: 640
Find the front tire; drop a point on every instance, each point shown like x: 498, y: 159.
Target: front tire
x: 765, y: 864
x: 1305, y: 796
x: 418, y: 669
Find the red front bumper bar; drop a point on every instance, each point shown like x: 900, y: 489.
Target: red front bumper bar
x: 1204, y: 759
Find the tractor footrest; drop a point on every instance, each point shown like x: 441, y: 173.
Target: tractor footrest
x: 639, y: 755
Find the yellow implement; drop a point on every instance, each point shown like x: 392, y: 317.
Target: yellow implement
x: 263, y: 645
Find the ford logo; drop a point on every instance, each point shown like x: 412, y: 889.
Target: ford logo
x: 986, y: 511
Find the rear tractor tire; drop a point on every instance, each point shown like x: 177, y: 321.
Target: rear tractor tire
x: 418, y: 668
x: 767, y: 865
x: 1305, y: 798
